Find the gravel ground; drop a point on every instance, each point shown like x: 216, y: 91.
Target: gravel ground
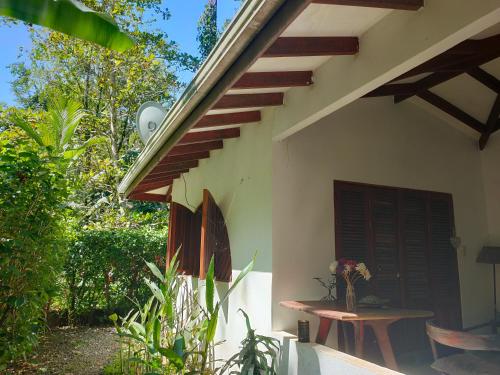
x: 71, y: 351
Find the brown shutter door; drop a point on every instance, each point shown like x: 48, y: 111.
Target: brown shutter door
x: 384, y: 239
x: 351, y: 222
x: 414, y: 245
x: 443, y: 262
x: 214, y: 240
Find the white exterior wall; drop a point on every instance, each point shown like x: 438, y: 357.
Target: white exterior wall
x: 490, y: 158
x: 239, y: 178
x: 374, y: 141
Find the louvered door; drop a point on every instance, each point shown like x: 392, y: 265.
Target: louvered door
x: 404, y: 237
x: 443, y: 263
x: 383, y: 216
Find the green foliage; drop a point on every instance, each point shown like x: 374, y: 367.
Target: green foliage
x: 32, y: 192
x: 70, y: 17
x: 257, y: 355
x: 57, y: 131
x: 104, y: 269
x: 207, y: 29
x: 172, y: 333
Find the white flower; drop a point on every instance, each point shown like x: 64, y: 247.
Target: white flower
x: 367, y: 275
x: 361, y: 267
x: 333, y: 267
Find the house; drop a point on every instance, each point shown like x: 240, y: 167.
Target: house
x: 327, y: 128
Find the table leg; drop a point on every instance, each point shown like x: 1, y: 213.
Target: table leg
x: 359, y: 338
x: 323, y: 330
x: 380, y: 328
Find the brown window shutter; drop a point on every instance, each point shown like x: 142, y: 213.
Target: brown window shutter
x: 182, y: 237
x: 214, y: 240
x: 443, y: 262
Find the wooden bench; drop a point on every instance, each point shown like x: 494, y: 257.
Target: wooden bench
x: 468, y: 363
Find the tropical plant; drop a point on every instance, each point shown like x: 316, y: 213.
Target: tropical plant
x: 258, y: 354
x: 56, y: 133
x: 172, y: 332
x: 32, y: 241
x: 70, y: 17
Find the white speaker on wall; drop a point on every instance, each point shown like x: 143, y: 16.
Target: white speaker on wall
x: 148, y: 119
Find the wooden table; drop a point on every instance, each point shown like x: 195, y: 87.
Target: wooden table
x: 377, y: 318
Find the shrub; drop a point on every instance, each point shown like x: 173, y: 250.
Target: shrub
x: 104, y: 269
x: 32, y: 195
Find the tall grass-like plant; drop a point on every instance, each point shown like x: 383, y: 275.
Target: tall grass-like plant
x: 172, y: 333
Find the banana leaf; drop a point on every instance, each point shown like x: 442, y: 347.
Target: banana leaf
x: 69, y: 17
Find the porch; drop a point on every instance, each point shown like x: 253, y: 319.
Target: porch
x: 363, y: 183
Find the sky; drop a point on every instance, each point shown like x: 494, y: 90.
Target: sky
x: 181, y: 27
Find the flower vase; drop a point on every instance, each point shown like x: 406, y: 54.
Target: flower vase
x: 350, y: 298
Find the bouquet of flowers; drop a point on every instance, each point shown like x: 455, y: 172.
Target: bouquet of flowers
x: 351, y: 271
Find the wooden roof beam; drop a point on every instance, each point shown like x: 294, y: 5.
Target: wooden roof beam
x: 162, y: 168
x: 210, y: 135
x: 235, y: 118
x: 147, y: 197
x: 313, y: 46
x: 452, y: 110
x: 249, y: 100
x: 142, y: 187
x: 255, y: 80
x: 182, y: 158
x: 491, y: 124
x: 195, y: 148
x: 388, y: 4
x: 485, y: 78
x: 464, y: 56
x: 165, y: 177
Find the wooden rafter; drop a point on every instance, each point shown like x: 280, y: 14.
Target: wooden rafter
x: 147, y: 197
x: 274, y: 79
x: 491, y: 124
x: 210, y: 135
x: 165, y: 177
x: 163, y: 168
x: 143, y: 187
x: 313, y: 46
x: 186, y: 157
x: 388, y: 4
x: 249, y: 100
x: 462, y: 57
x: 485, y: 78
x: 452, y: 110
x: 222, y: 119
x: 195, y: 148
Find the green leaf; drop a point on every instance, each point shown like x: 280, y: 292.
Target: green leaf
x: 69, y: 17
x: 173, y: 357
x: 155, y: 290
x: 180, y: 346
x: 157, y: 334
x: 210, y: 287
x: 240, y: 277
x: 113, y: 317
x: 247, y: 319
x: 212, y: 326
x: 155, y: 271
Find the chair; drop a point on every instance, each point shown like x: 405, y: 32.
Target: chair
x: 465, y: 363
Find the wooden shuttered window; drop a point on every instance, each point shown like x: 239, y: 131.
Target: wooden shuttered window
x: 404, y: 237
x: 197, y: 236
x: 184, y: 237
x: 214, y: 240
